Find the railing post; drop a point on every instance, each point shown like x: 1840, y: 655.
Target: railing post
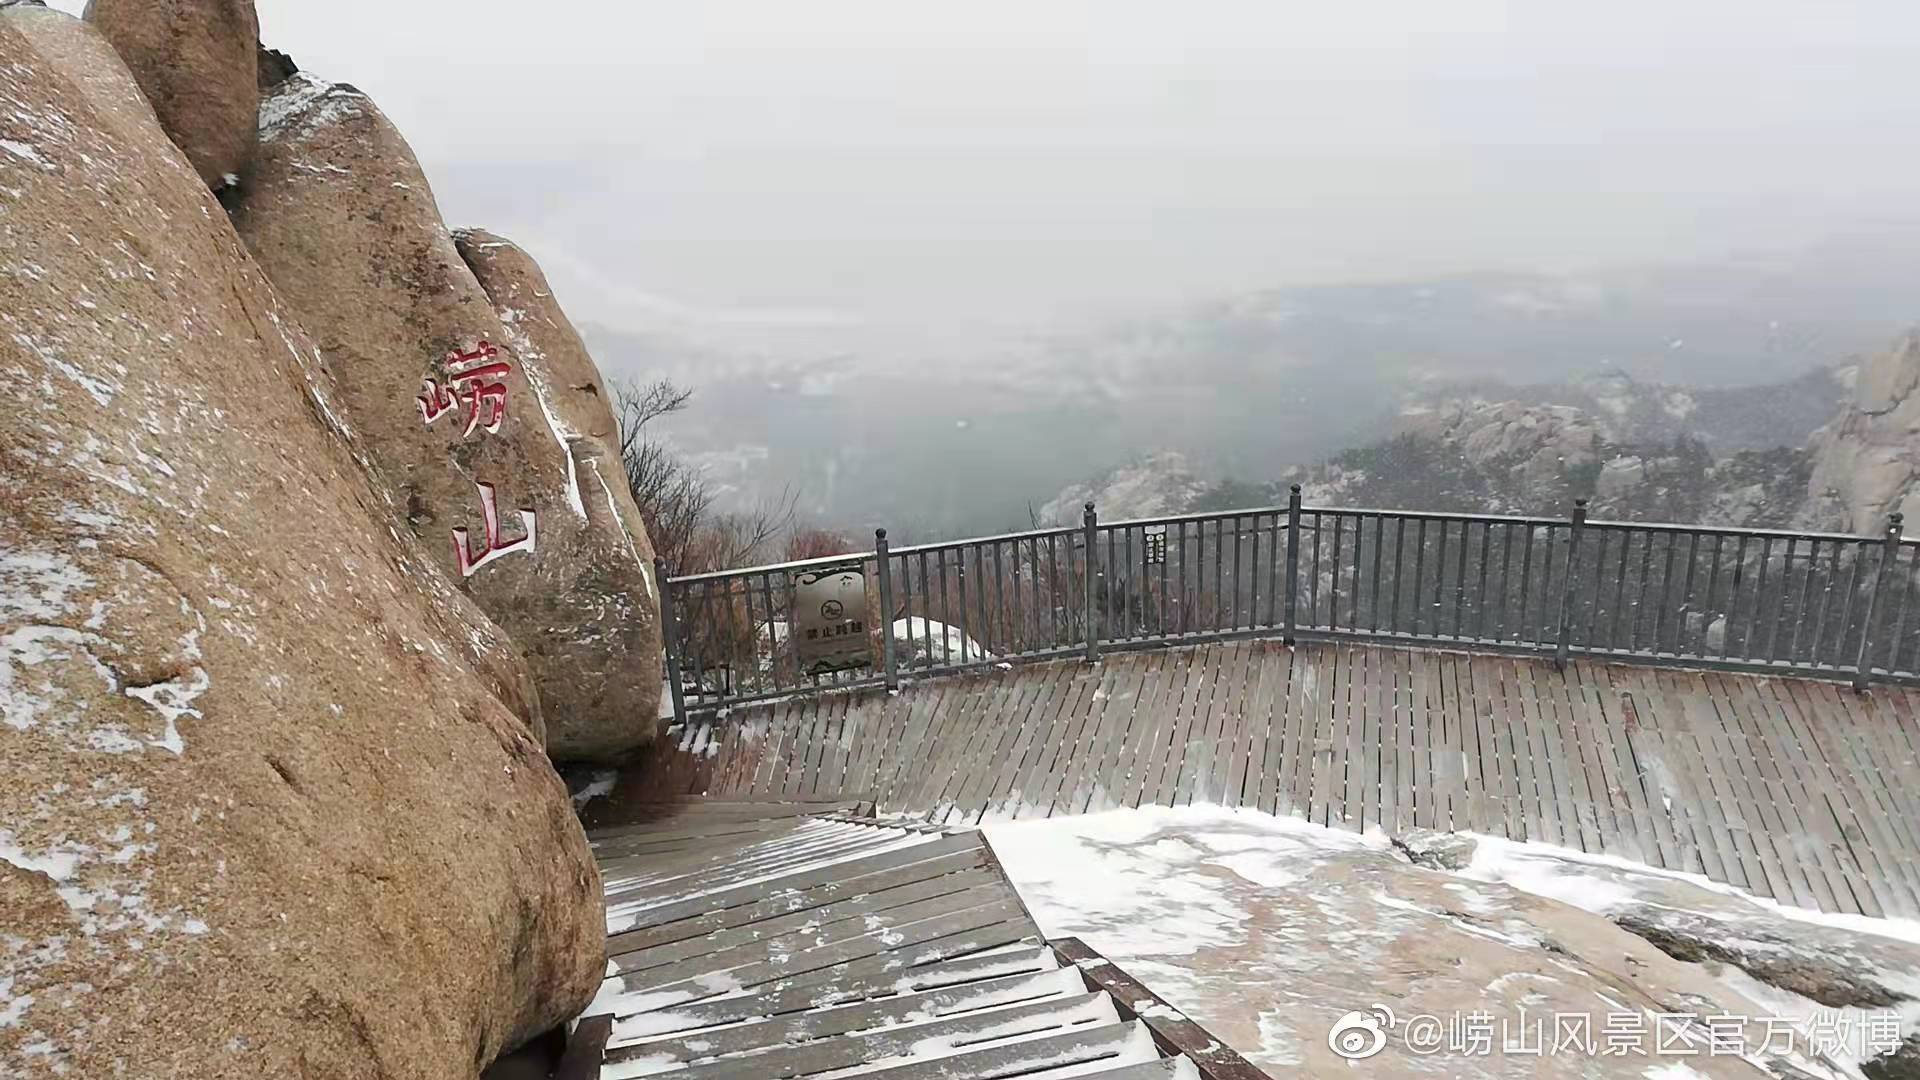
x: 1089, y: 526
x: 1293, y: 559
x: 1889, y: 554
x: 670, y: 639
x: 1564, y: 635
x: 885, y: 562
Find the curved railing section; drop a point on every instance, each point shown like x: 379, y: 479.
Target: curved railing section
x: 1825, y: 605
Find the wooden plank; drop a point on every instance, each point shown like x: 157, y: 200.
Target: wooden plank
x: 890, y: 1011
x: 845, y: 1052
x: 1266, y: 781
x: 857, y: 918
x: 951, y: 739
x: 1172, y: 1030
x: 1095, y: 685
x: 1000, y: 728
x: 1243, y: 783
x: 1080, y: 775
x: 1147, y: 745
x: 1172, y: 747
x: 1081, y: 682
x: 703, y: 976
x: 1110, y: 770
x: 804, y: 997
x: 1780, y: 828
x: 1192, y: 744
x: 586, y: 1049
x: 1008, y: 792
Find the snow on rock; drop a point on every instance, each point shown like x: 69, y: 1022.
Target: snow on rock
x: 1271, y: 930
x: 922, y: 642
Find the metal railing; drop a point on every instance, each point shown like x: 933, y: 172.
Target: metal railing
x: 1819, y: 604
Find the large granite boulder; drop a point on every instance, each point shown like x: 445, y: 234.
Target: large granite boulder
x: 459, y: 413
x: 271, y: 805
x: 576, y: 402
x: 1866, y: 463
x: 195, y: 59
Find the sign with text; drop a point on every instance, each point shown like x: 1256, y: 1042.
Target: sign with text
x: 830, y: 619
x: 1155, y: 537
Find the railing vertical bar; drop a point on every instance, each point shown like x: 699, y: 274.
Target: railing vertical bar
x: 1239, y: 582
x: 1826, y: 603
x: 1480, y: 600
x: 1333, y: 589
x: 1090, y: 528
x: 670, y: 639
x: 1313, y: 583
x: 1053, y: 593
x: 1640, y: 598
x: 884, y: 564
x: 1219, y: 564
x: 1755, y: 625
x: 1460, y: 577
x: 1848, y: 602
x: 1399, y: 551
x: 1126, y: 598
x: 1686, y: 604
x: 1503, y: 629
x: 700, y: 626
x: 1166, y: 556
x: 1440, y: 581
x: 753, y: 636
x: 926, y: 608
x: 1186, y: 597
x: 1708, y: 611
x: 787, y: 580
x: 1565, y: 625
x: 1802, y: 612
x: 1373, y: 593
x: 1528, y: 627
x: 1032, y: 626
x: 1666, y: 597
x: 1109, y: 584
x: 999, y: 600
x: 773, y: 638
x: 947, y: 625
x: 1889, y: 554
x: 1253, y: 578
x: 1619, y: 591
x: 1896, y: 646
x: 1293, y: 559
x: 1592, y: 637
x: 1419, y: 578
x: 1733, y: 600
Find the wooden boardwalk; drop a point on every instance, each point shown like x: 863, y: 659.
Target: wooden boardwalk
x: 761, y: 940
x: 1797, y: 790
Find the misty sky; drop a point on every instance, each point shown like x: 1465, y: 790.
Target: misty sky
x: 999, y: 161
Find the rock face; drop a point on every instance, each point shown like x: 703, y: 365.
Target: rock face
x: 195, y: 61
x: 270, y: 808
x: 1866, y: 463
x: 463, y: 415
x: 577, y: 405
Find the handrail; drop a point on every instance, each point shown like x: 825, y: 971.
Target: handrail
x: 1779, y: 601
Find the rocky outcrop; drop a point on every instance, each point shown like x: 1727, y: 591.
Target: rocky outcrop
x: 459, y: 410
x: 270, y: 806
x: 1866, y: 463
x: 195, y: 60
x: 1154, y: 486
x: 576, y: 403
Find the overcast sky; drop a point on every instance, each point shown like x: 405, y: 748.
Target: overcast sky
x: 914, y: 161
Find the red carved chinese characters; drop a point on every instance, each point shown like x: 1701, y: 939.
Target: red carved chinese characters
x: 469, y: 560
x: 476, y: 386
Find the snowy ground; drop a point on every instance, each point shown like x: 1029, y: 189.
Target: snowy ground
x: 1270, y: 931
